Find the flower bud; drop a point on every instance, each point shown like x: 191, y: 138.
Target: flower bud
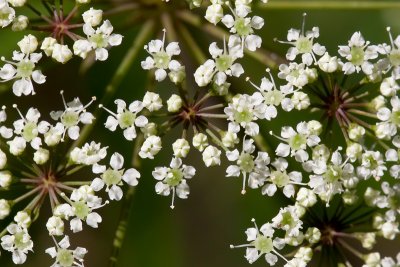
x: 315, y: 127
x: 181, y: 148
x: 229, y: 139
x: 300, y: 100
x: 151, y: 146
x: 61, y: 53
x: 378, y: 102
x: 55, y: 226
x: 356, y: 132
x: 372, y: 259
x: 152, y: 101
x: 149, y: 129
x: 367, y: 240
x: 214, y: 13
x: 177, y: 75
x: 200, y: 141
x: 48, y: 45
x: 211, y: 156
x: 17, y: 3
x: 313, y: 235
x: 349, y: 197
x: 20, y: 23
x: 93, y: 17
x: 328, y: 64
x: 390, y: 230
x: 304, y: 253
x: 389, y: 87
x: 23, y: 219
x: 174, y: 103
x: 353, y: 151
x: 5, y: 179
x: 5, y: 208
x: 41, y: 156
x: 3, y: 159
x: 306, y: 197
x: 28, y: 44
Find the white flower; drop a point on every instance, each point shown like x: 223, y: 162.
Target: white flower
x: 372, y: 164
x: 41, y: 156
x: 328, y: 64
x: 18, y: 242
x: 297, y: 75
x: 303, y: 44
x: 389, y: 86
x: 66, y: 257
x: 295, y: 142
x: 161, y: 57
x: 98, y: 40
x: 74, y: 113
x: 262, y: 242
x: 126, y: 119
x: 242, y: 111
x: 151, y: 146
x: 181, y: 148
x: 23, y: 219
x: 5, y: 179
x: 223, y: 64
x: 61, y: 53
x: 55, y: 226
x: 111, y: 178
x: 7, y: 14
x: 390, y: 119
x: 288, y: 220
x: 306, y: 197
x: 211, y: 156
x: 251, y: 167
x: 173, y: 179
x: 48, y: 45
x: 17, y: 145
x: 174, y: 103
x: 200, y: 141
x: 152, y: 101
x: 214, y: 12
x: 89, y: 154
x: 93, y: 17
x: 83, y: 202
x: 358, y: 52
x: 23, y: 70
x: 244, y: 27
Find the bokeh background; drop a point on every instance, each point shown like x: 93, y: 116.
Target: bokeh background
x: 198, y: 232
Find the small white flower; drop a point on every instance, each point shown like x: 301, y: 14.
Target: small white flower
x: 66, y: 257
x: 89, y: 154
x: 41, y: 156
x: 111, y: 178
x: 98, y: 40
x: 5, y: 179
x: 200, y: 141
x: 55, y: 226
x: 329, y: 64
x: 151, y: 146
x: 173, y: 179
x: 214, y: 12
x: 161, y: 57
x: 93, y: 17
x: 126, y: 118
x: 211, y: 156
x: 152, y: 101
x: 23, y: 70
x: 61, y: 53
x: 7, y: 14
x: 181, y: 148
x: 18, y: 242
x: 174, y: 103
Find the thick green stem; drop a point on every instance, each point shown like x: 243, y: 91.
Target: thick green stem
x: 340, y: 5
x: 126, y: 208
x: 129, y: 58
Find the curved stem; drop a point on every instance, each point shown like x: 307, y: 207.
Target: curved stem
x: 129, y: 58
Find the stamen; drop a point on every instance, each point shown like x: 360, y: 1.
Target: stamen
x: 240, y: 246
x: 106, y: 109
x: 303, y: 24
x: 271, y: 78
x: 163, y: 41
x: 390, y: 36
x: 280, y: 138
x: 91, y: 101
x: 173, y: 198
x: 253, y: 84
x: 255, y: 224
x: 244, y: 184
x: 63, y: 99
x: 19, y: 112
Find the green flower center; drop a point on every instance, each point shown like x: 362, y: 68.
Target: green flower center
x: 280, y: 179
x: 224, y: 62
x: 81, y: 209
x: 394, y: 57
x: 246, y: 162
x: 297, y: 142
x: 304, y: 45
x: 25, y: 68
x: 243, y: 27
x: 357, y: 55
x: 70, y: 118
x: 65, y: 257
x: 30, y: 131
x: 333, y: 173
x: 112, y: 177
x: 126, y: 119
x: 161, y: 60
x: 98, y: 40
x: 19, y: 241
x: 174, y: 177
x: 244, y: 115
x: 263, y: 244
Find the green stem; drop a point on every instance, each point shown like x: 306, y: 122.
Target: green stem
x: 341, y: 5
x: 129, y: 58
x: 126, y: 209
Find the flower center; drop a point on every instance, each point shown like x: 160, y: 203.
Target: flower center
x: 174, y: 177
x: 20, y: 241
x: 98, y: 40
x: 224, y: 62
x: 25, y: 68
x: 246, y: 162
x: 70, y: 118
x: 263, y: 244
x: 126, y: 119
x: 81, y: 209
x: 357, y: 55
x: 30, y: 131
x: 111, y: 177
x: 304, y: 45
x: 161, y: 60
x: 273, y: 97
x: 280, y: 179
x: 243, y: 27
x: 298, y: 141
x: 65, y: 257
x: 395, y: 117
x: 243, y: 115
x: 333, y: 173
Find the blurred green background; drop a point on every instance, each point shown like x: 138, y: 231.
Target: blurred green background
x: 198, y: 232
